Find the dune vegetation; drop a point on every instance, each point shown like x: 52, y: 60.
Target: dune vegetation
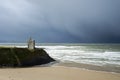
x: 23, y: 57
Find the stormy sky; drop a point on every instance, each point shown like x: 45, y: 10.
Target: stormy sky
x: 94, y: 21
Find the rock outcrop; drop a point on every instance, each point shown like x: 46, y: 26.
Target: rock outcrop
x: 23, y: 57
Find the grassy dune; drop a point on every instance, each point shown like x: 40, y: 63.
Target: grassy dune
x: 20, y: 57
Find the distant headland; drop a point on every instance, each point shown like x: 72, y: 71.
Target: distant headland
x: 23, y: 57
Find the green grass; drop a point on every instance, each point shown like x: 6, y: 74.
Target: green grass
x: 10, y: 56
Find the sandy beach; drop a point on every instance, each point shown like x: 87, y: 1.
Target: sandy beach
x: 55, y: 73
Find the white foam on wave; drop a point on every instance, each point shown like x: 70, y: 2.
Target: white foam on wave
x: 78, y: 55
x: 55, y: 47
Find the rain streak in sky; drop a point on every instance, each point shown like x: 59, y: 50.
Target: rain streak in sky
x: 94, y: 21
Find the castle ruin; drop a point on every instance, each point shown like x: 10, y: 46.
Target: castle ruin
x: 31, y: 44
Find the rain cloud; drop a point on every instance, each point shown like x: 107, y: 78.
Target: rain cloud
x: 93, y: 21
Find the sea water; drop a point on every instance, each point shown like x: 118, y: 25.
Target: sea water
x: 105, y: 56
x: 93, y: 54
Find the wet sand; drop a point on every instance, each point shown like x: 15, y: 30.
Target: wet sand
x: 106, y: 68
x: 55, y: 73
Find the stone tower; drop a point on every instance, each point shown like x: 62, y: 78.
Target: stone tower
x: 31, y: 44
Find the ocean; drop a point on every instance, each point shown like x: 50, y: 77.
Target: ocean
x: 105, y: 57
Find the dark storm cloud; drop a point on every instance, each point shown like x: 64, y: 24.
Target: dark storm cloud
x: 60, y: 20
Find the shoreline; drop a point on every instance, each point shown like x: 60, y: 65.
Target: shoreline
x: 110, y: 69
x: 55, y: 73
